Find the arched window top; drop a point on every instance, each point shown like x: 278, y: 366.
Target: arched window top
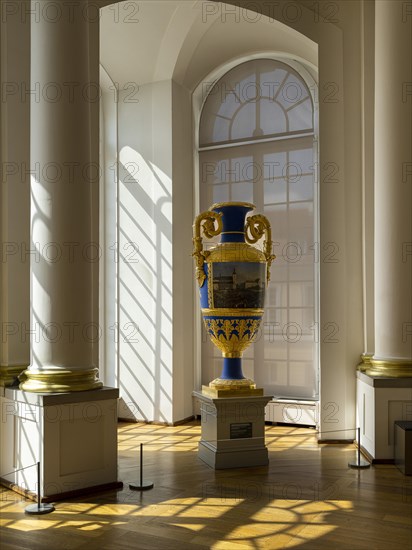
x: 257, y: 99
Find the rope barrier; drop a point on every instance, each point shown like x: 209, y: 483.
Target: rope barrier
x: 149, y: 484
x: 275, y: 437
x: 39, y: 508
x: 44, y: 508
x: 19, y: 470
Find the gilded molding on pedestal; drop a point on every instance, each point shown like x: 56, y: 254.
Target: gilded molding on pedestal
x: 385, y: 368
x: 59, y: 380
x: 220, y: 387
x: 9, y: 374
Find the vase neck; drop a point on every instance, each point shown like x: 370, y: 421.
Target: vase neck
x: 233, y: 222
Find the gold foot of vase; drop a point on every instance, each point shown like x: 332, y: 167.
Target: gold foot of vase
x: 220, y: 387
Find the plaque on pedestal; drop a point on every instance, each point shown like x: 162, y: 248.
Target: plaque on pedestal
x: 233, y: 430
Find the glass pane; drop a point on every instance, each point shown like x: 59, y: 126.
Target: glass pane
x: 244, y: 122
x: 220, y: 193
x: 301, y: 223
x: 293, y: 91
x: 220, y: 129
x: 254, y: 99
x: 273, y: 119
x: 301, y: 376
x: 241, y: 169
x: 301, y: 272
x: 278, y: 218
x: 276, y: 350
x: 302, y: 350
x: 277, y: 294
x: 229, y: 104
x: 247, y: 368
x: 301, y: 295
x: 271, y: 81
x: 275, y: 191
x: 273, y: 165
x: 303, y: 159
x: 213, y: 172
x: 301, y: 189
x: 301, y: 116
x: 277, y: 373
x: 242, y: 192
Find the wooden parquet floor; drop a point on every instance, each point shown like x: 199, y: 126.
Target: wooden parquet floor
x: 307, y: 498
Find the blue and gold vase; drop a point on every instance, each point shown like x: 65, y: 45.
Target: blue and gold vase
x: 232, y: 278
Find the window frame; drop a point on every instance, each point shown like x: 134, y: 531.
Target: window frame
x: 308, y: 73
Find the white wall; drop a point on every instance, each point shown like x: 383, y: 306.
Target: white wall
x: 108, y: 207
x: 146, y: 253
x: 184, y: 332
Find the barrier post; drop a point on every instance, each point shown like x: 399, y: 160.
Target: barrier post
x: 142, y: 486
x: 40, y: 507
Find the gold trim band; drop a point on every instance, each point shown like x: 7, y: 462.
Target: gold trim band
x: 386, y: 368
x: 60, y: 380
x: 220, y: 204
x: 226, y: 312
x: 231, y: 384
x: 235, y: 252
x: 9, y: 374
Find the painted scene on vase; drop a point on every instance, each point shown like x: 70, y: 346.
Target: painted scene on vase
x: 239, y: 284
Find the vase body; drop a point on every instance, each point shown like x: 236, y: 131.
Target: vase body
x: 232, y: 278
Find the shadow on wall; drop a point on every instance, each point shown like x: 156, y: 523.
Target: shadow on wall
x: 145, y: 282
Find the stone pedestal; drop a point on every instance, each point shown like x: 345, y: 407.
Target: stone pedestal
x: 380, y: 403
x: 403, y: 446
x: 233, y: 431
x: 72, y: 435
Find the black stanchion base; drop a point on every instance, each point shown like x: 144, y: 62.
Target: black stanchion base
x: 360, y: 464
x: 37, y: 509
x: 145, y: 485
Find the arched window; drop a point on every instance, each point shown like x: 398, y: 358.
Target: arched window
x: 257, y: 143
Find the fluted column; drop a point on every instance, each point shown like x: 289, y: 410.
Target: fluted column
x: 393, y: 190
x: 63, y: 181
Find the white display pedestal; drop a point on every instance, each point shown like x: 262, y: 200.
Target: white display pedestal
x: 380, y: 403
x: 72, y: 435
x: 233, y: 431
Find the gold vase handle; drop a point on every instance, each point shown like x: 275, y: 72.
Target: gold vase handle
x: 211, y: 224
x: 258, y: 226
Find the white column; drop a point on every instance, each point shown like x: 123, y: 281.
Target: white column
x: 14, y: 193
x: 393, y: 190
x: 64, y: 316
